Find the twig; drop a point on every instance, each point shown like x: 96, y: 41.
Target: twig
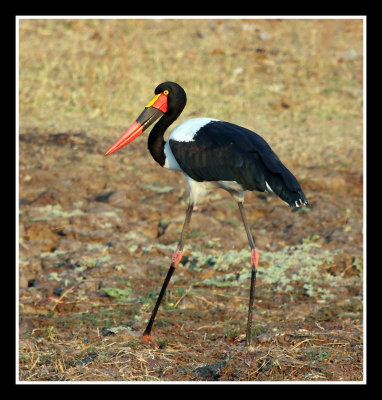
x: 62, y: 296
x: 317, y: 324
x: 184, y: 295
x: 332, y: 355
x: 208, y: 326
x: 34, y: 364
x: 305, y: 340
x: 206, y: 301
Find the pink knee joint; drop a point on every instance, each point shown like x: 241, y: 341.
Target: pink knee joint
x: 176, y: 257
x: 254, y: 257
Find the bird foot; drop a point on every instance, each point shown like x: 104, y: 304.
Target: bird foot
x: 176, y: 257
x: 146, y: 338
x: 254, y: 257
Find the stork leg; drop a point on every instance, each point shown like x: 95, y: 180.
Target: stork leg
x: 175, y: 259
x: 254, y: 261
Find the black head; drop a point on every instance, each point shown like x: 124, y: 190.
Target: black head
x: 176, y: 98
x: 169, y: 101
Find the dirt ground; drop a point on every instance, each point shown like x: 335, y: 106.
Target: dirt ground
x: 96, y: 233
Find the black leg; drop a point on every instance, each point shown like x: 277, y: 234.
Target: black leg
x: 254, y: 261
x: 161, y: 294
x: 175, y: 259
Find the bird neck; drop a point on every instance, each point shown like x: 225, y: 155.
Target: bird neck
x: 156, y: 142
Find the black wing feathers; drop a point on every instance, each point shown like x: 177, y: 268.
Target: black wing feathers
x: 225, y: 151
x: 222, y: 163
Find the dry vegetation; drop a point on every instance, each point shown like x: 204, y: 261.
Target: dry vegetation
x: 96, y: 233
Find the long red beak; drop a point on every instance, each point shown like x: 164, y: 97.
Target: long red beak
x: 154, y: 110
x: 132, y: 133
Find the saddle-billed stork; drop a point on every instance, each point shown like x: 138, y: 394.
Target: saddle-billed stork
x: 211, y: 154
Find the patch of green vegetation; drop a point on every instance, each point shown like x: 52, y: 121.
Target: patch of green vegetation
x: 233, y: 222
x: 119, y: 294
x: 220, y: 281
x: 319, y: 354
x: 54, y: 277
x: 196, y: 233
x: 53, y: 254
x: 95, y: 246
x: 231, y: 332
x: 312, y: 239
x: 91, y: 262
x: 50, y: 333
x: 314, y: 376
x: 117, y: 329
x: 219, y: 260
x: 299, y: 266
x: 286, y: 270
x: 352, y: 307
x: 38, y: 219
x: 94, y: 319
x: 57, y: 211
x: 118, y: 315
x: 358, y: 264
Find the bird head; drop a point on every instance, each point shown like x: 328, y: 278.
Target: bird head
x: 168, y: 102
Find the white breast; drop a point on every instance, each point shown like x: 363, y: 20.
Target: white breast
x: 170, y: 161
x: 186, y: 131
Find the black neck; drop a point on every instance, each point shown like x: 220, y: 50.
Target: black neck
x: 156, y: 142
x: 176, y: 104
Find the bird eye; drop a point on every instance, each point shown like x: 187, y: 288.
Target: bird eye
x: 165, y: 92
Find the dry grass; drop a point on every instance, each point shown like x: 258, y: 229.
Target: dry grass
x: 96, y: 234
x: 291, y: 79
x: 300, y: 355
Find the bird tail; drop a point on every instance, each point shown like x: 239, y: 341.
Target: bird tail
x: 286, y: 187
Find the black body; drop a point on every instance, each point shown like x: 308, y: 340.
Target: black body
x: 222, y: 151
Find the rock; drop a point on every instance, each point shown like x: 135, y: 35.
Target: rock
x: 211, y: 371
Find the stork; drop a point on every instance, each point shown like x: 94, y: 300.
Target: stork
x: 211, y: 154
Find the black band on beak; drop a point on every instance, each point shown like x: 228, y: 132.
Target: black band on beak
x: 148, y: 116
